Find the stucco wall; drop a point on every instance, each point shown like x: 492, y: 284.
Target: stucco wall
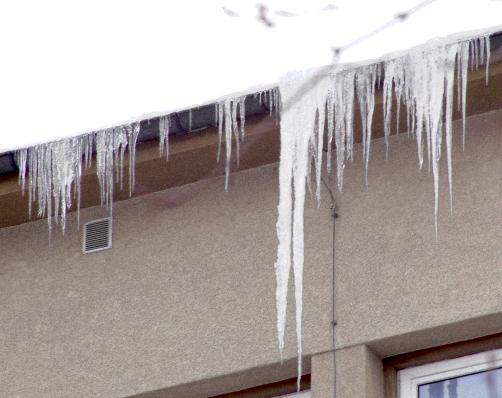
x: 394, y: 278
x: 187, y: 292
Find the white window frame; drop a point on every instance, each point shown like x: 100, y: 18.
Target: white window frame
x: 409, y: 379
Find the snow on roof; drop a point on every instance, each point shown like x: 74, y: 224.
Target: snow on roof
x: 82, y: 66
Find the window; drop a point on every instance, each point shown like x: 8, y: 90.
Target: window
x: 473, y: 376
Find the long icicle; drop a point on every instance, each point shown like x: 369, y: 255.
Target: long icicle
x: 164, y: 124
x: 422, y: 79
x: 298, y: 136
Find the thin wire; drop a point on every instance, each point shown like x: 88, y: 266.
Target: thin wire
x: 400, y: 17
x: 305, y: 87
x: 334, y: 216
x: 321, y: 73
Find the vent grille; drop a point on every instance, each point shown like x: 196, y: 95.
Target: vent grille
x: 97, y: 235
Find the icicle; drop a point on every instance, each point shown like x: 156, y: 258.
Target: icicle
x: 228, y: 139
x: 120, y: 140
x: 133, y: 133
x: 55, y: 170
x: 78, y: 175
x: 270, y: 102
x: 387, y: 101
x: 319, y: 138
x: 463, y: 58
x: 242, y: 115
x: 475, y: 58
x: 398, y: 85
x: 365, y: 88
x: 481, y: 52
x: 235, y: 130
x: 220, y: 108
x: 330, y: 105
x: 450, y: 75
x: 104, y: 165
x: 487, y: 57
x: 297, y: 137
x: 422, y: 79
x: 110, y: 148
x: 229, y: 112
x: 88, y: 145
x: 344, y: 86
x: 164, y: 123
x: 20, y: 158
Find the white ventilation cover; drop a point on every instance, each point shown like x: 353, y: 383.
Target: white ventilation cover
x: 97, y: 235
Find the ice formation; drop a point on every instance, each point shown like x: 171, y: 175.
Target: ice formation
x: 421, y: 78
x: 54, y: 170
x: 164, y: 123
x: 228, y: 123
x: 230, y: 119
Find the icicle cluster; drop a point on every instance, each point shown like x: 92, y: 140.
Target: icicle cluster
x: 422, y: 79
x: 228, y: 122
x: 164, y: 123
x: 230, y: 117
x: 54, y: 170
x: 298, y: 141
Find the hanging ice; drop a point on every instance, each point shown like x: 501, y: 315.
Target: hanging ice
x: 421, y: 78
x: 297, y: 136
x: 55, y: 169
x: 164, y: 123
x: 230, y: 120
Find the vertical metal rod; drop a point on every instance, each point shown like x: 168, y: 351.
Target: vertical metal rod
x: 334, y: 216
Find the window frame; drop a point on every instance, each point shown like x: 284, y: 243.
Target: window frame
x: 300, y: 394
x: 408, y: 380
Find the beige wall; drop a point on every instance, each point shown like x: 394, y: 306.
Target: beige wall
x: 187, y: 292
x: 395, y: 279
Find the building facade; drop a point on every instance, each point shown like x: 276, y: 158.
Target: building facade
x: 183, y: 304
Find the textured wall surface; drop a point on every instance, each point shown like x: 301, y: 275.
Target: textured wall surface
x: 394, y: 278
x: 187, y: 293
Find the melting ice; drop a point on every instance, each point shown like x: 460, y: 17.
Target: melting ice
x: 421, y: 78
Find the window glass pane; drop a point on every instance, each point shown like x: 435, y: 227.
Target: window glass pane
x: 479, y: 385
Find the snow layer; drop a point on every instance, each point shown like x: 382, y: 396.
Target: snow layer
x: 421, y: 78
x: 56, y: 86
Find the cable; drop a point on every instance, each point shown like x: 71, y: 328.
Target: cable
x: 400, y: 17
x: 320, y: 74
x: 334, y: 216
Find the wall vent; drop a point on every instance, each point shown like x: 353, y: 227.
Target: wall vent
x: 97, y: 235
